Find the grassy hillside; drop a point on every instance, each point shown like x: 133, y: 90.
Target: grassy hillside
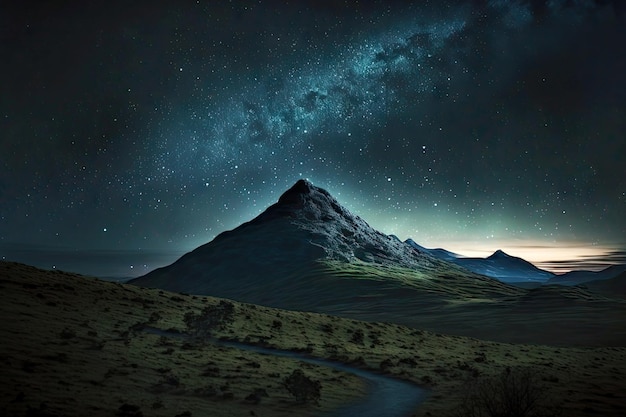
x: 73, y: 346
x: 459, y: 302
x: 438, y: 296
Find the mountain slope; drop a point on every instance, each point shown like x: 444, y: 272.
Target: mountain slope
x: 580, y: 277
x: 306, y: 225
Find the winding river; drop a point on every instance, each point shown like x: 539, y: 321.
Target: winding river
x: 386, y: 396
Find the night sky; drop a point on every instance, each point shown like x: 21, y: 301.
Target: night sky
x: 132, y: 132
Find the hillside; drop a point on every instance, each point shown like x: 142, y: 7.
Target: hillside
x: 73, y: 346
x: 89, y: 328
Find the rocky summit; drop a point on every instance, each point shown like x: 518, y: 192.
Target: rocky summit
x: 331, y: 227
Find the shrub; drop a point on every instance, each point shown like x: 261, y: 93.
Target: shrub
x: 513, y: 393
x: 129, y: 410
x: 256, y: 395
x: 211, y: 371
x: 327, y: 328
x: 211, y: 317
x: 67, y: 333
x: 302, y: 387
x: 408, y: 361
x: 357, y: 337
x: 386, y: 364
x: 154, y: 317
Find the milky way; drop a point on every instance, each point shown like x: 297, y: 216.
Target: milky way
x: 467, y: 125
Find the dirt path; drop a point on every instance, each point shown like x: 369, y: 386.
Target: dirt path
x: 386, y: 396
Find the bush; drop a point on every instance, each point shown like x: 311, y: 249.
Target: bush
x: 67, y: 333
x: 256, y: 396
x: 386, y: 364
x: 357, y: 337
x: 302, y: 387
x: 327, y: 328
x: 513, y: 393
x: 129, y: 410
x: 211, y: 317
x: 154, y: 317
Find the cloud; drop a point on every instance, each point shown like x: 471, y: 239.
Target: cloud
x: 594, y: 262
x: 558, y: 257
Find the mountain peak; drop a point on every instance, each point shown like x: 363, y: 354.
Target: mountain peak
x: 306, y: 201
x: 499, y: 254
x: 302, y: 186
x: 313, y: 220
x: 301, y: 190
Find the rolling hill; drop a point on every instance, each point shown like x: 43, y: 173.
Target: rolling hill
x: 581, y: 277
x: 73, y: 345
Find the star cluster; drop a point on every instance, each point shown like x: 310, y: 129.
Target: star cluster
x: 151, y: 128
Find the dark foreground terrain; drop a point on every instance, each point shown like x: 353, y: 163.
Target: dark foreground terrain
x: 75, y: 346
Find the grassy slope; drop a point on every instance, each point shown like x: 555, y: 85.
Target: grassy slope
x: 67, y: 341
x: 462, y: 303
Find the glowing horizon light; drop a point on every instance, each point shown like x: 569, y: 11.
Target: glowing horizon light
x: 557, y: 258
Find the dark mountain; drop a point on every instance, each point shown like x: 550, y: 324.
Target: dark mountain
x: 501, y: 255
x: 305, y: 225
x: 308, y: 253
x: 505, y: 268
x: 579, y: 277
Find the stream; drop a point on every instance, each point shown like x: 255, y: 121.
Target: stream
x: 386, y: 396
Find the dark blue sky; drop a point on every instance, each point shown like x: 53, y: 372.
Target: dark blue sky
x: 148, y: 128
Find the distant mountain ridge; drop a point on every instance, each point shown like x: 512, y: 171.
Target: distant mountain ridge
x: 581, y: 277
x: 499, y: 265
x: 511, y: 269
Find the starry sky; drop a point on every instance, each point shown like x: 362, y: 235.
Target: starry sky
x: 133, y: 132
